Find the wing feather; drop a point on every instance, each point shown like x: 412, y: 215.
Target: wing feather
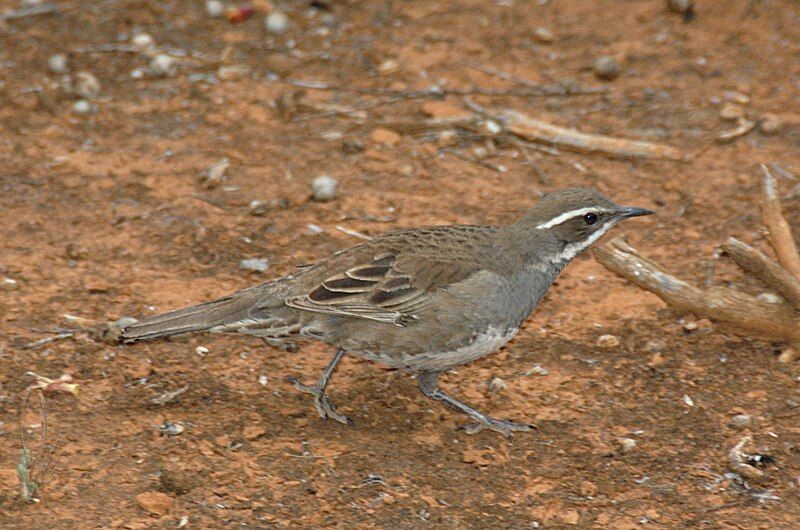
x: 389, y: 285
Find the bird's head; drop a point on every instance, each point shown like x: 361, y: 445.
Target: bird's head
x: 575, y: 218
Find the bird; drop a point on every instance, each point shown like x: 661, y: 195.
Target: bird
x: 422, y: 300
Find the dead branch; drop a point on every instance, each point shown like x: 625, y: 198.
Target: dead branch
x: 777, y: 319
x: 540, y: 131
x: 780, y: 235
x: 765, y: 269
x: 745, y: 313
x: 34, y: 10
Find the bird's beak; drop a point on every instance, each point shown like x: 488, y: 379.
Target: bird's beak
x: 633, y: 211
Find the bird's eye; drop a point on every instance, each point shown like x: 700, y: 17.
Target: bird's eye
x: 590, y: 218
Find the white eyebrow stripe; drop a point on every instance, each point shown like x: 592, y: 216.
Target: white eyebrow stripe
x: 566, y: 216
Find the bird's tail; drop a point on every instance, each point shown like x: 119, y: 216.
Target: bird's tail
x: 201, y: 317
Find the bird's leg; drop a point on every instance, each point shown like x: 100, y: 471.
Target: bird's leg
x: 429, y: 387
x: 321, y: 401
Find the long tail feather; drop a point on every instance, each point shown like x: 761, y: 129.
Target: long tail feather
x: 196, y: 318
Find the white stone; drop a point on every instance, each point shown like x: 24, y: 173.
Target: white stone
x: 57, y: 63
x: 162, y: 65
x: 86, y: 85
x: 254, y: 264
x: 142, y: 41
x: 324, y: 188
x: 276, y: 22
x: 214, y: 8
x: 82, y: 107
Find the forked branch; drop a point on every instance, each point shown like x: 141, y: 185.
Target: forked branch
x: 731, y: 308
x: 740, y: 312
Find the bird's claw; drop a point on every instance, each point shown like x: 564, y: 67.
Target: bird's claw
x: 324, y: 406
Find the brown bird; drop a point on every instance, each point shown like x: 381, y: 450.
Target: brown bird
x: 423, y: 300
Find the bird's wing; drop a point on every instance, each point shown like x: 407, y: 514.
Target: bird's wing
x: 387, y: 287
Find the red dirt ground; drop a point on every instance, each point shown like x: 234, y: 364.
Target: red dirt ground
x: 103, y: 217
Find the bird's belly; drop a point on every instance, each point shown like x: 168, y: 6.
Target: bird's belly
x: 483, y: 344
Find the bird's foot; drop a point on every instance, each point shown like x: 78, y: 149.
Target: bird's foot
x: 504, y: 427
x: 321, y: 402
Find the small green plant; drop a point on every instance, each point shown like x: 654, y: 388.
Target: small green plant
x: 27, y: 486
x: 32, y: 465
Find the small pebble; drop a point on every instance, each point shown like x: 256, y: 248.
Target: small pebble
x: 8, y: 284
x: 543, y: 34
x: 772, y: 298
x: 606, y: 68
x: 608, y: 341
x: 171, y: 428
x: 213, y: 176
x: 447, y: 138
x: 82, y: 107
x: 388, y: 66
x: 254, y: 264
x: 536, y: 369
x: 57, y: 63
x: 688, y: 400
x: 314, y: 229
x: 259, y: 208
x: 480, y: 152
x: 162, y: 65
x: 742, y: 421
x: 262, y: 380
x: 497, y: 384
x: 276, y: 22
x: 214, y: 8
x: 142, y: 41
x: 771, y: 124
x: 86, y: 85
x: 324, y: 188
x: 788, y: 356
x: 201, y: 350
x: 628, y: 444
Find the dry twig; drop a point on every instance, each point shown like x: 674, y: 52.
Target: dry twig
x: 540, y: 131
x: 743, y: 126
x: 780, y: 235
x: 738, y: 311
x: 765, y: 269
x: 741, y: 311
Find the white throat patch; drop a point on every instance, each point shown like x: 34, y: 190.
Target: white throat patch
x: 566, y: 216
x: 573, y: 249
